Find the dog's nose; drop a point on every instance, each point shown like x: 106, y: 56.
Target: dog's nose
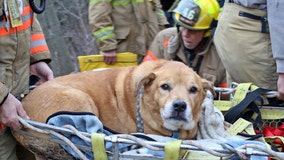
x: 179, y: 106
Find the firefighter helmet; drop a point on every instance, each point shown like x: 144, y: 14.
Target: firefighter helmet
x: 195, y: 14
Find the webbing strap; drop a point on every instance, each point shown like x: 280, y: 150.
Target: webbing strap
x: 278, y: 141
x: 239, y: 126
x: 272, y: 114
x: 235, y: 112
x: 98, y: 146
x: 239, y: 95
x: 241, y: 92
x: 275, y: 135
x: 172, y: 149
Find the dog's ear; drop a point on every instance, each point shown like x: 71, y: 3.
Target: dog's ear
x: 143, y: 80
x: 208, y: 86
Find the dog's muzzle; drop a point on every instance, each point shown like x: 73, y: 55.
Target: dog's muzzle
x: 178, y: 112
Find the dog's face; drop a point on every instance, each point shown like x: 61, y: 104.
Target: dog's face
x: 176, y: 92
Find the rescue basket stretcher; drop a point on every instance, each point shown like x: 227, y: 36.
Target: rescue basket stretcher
x: 190, y: 145
x: 35, y: 133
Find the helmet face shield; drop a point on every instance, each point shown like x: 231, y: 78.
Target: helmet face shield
x: 187, y: 14
x: 195, y: 14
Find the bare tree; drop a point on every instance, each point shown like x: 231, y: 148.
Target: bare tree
x: 68, y: 34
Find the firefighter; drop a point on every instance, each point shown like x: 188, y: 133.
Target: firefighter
x: 257, y: 54
x: 191, y: 40
x: 23, y: 51
x: 125, y: 26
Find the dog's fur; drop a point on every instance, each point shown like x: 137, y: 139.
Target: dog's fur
x: 172, y: 97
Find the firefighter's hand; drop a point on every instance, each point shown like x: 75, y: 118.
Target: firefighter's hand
x: 109, y: 57
x: 42, y: 70
x: 9, y: 112
x: 280, y: 84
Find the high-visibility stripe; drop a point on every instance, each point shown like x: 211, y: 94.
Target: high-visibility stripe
x: 138, y: 1
x: 27, y: 18
x: 166, y: 43
x: 38, y: 43
x: 37, y: 37
x: 105, y: 33
x: 38, y: 49
x: 24, y: 26
x: 124, y: 2
x: 121, y: 2
x: 149, y: 56
x: 159, y: 12
x: 96, y: 1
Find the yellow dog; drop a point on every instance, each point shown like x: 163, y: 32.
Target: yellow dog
x: 170, y: 95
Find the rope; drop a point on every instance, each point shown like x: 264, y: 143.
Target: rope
x: 139, y: 141
x: 77, y: 133
x: 206, y: 149
x: 270, y: 152
x: 67, y: 141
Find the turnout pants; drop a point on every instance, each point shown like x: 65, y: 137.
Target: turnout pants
x: 243, y: 43
x: 7, y: 145
x: 10, y: 149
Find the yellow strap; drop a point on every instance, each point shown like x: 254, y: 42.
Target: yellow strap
x: 223, y: 105
x: 98, y: 146
x: 267, y: 113
x: 272, y: 113
x: 272, y: 138
x: 243, y: 125
x: 194, y: 155
x: 241, y: 93
x: 172, y: 149
x: 239, y: 126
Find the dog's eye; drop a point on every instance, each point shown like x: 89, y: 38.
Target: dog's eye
x: 193, y: 90
x: 165, y: 87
